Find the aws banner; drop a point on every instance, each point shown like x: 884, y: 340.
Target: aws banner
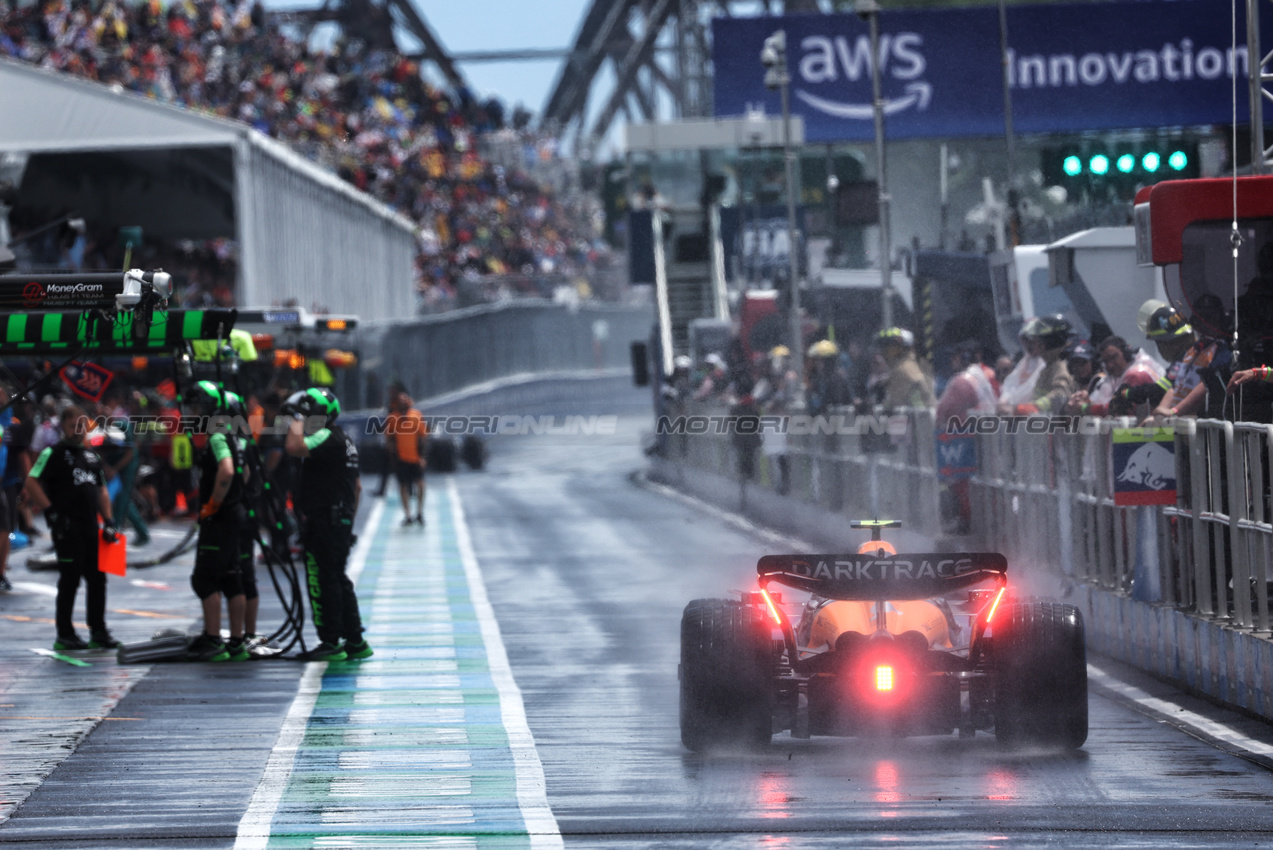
x: 1071, y: 68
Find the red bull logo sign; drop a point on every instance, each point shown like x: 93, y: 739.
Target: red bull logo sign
x: 1144, y: 466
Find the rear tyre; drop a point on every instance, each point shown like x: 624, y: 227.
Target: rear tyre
x: 727, y: 675
x: 441, y: 454
x: 1040, y: 668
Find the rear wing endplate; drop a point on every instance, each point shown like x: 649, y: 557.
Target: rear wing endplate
x: 864, y: 577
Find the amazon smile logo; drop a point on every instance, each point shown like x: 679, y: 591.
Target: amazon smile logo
x: 827, y: 61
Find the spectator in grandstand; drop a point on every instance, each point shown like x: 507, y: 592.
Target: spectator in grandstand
x: 1124, y: 367
x: 361, y: 110
x: 1051, y: 384
x: 408, y: 435
x: 907, y: 385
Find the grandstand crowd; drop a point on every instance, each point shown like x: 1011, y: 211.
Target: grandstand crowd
x: 362, y: 111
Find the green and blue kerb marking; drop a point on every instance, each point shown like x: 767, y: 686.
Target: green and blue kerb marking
x: 425, y: 743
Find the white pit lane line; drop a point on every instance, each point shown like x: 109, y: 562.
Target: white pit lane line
x: 1180, y: 716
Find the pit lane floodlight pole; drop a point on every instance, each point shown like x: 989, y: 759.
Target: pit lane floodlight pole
x: 869, y: 11
x: 774, y: 57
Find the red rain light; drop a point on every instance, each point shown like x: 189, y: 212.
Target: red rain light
x: 773, y: 609
x: 883, y: 678
x: 994, y: 606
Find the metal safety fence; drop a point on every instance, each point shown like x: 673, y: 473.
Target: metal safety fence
x: 1044, y: 496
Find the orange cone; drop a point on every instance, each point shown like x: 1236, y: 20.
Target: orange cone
x: 182, y: 507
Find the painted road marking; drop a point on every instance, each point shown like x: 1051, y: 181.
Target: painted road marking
x: 254, y: 826
x: 1180, y: 715
x: 48, y: 653
x: 426, y: 742
x: 531, y: 786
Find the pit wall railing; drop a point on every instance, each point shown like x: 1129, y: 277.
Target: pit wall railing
x: 1179, y: 590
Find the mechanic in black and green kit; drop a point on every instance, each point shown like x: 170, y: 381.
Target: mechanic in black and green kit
x: 221, y: 519
x: 67, y: 482
x: 326, y: 500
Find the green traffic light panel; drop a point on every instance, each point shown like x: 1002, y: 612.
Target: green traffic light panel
x: 1072, y: 166
x: 1125, y: 163
x: 1098, y: 164
x: 1151, y: 161
x: 1178, y: 160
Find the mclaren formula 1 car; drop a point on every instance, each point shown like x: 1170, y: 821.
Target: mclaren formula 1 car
x: 887, y: 644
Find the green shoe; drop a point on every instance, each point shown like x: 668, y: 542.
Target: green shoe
x: 238, y: 650
x: 69, y: 643
x: 207, y: 648
x: 358, y: 651
x: 103, y: 640
x: 326, y: 652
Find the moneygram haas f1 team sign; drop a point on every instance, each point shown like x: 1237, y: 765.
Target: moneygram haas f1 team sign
x: 1071, y: 68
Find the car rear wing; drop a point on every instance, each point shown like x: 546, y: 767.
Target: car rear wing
x: 867, y: 577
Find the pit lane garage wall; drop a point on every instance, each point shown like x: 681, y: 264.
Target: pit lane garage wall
x: 120, y: 159
x: 1181, y: 591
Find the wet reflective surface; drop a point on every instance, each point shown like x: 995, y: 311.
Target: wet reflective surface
x: 587, y: 574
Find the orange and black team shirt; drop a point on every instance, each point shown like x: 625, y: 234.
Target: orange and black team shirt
x: 406, y: 433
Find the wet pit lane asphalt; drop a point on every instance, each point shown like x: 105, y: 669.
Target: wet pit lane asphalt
x: 587, y: 574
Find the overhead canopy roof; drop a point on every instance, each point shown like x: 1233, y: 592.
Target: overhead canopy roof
x: 121, y: 159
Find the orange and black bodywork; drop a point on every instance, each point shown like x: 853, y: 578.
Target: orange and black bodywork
x: 875, y: 650
x: 887, y: 644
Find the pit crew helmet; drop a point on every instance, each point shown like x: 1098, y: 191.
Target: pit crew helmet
x: 1146, y: 310
x: 824, y: 348
x: 1165, y: 324
x: 898, y: 336
x: 315, y: 401
x: 205, y: 398
x: 234, y: 404
x: 779, y: 351
x: 1053, y: 331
